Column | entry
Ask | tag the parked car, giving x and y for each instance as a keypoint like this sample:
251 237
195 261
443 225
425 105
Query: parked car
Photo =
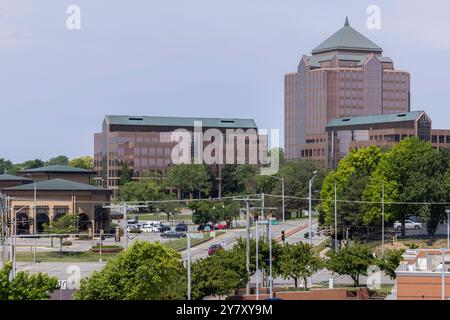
181 227
222 225
409 225
163 228
206 227
150 228
214 248
173 234
415 218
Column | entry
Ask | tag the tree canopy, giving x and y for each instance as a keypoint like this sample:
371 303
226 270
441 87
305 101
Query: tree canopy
145 271
25 286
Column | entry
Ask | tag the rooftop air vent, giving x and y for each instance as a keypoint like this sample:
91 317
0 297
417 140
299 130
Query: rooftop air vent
401 115
346 119
227 121
136 119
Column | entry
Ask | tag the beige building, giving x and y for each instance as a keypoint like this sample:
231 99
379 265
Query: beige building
345 76
420 275
55 191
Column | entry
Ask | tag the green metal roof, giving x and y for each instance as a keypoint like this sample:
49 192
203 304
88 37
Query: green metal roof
57 168
381 118
8 177
315 60
180 121
347 38
57 185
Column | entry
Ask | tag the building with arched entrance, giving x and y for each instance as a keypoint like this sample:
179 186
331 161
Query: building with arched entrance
51 193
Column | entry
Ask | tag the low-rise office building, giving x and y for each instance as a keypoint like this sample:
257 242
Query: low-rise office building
54 192
345 134
420 275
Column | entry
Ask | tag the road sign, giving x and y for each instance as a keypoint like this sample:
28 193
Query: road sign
62 284
196 235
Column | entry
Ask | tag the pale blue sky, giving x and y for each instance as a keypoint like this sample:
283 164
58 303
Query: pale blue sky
210 58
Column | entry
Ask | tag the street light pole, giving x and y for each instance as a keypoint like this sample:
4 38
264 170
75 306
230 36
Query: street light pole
448 228
310 207
284 219
335 218
443 273
189 266
257 261
382 219
270 259
247 247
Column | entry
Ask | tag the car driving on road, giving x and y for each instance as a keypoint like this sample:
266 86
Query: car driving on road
214 248
173 234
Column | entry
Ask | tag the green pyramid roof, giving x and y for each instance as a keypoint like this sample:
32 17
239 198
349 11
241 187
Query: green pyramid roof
347 38
57 185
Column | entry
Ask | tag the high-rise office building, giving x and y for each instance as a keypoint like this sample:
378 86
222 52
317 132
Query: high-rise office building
346 75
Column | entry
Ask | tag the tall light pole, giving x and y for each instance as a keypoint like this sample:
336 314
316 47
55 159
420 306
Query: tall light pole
443 272
270 260
247 247
448 228
310 206
34 203
189 265
335 217
282 204
382 219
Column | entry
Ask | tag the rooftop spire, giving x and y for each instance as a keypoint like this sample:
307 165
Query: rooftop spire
346 24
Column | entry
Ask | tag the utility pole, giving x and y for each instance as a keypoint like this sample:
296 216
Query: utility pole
125 231
284 218
443 275
189 266
247 248
448 228
310 207
335 218
270 260
382 219
257 261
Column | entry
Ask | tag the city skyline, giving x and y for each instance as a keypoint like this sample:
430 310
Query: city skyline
193 63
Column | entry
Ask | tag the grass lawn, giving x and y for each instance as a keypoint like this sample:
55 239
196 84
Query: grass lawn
385 289
68 256
181 244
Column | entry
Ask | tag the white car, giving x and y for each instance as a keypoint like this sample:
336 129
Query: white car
409 225
149 228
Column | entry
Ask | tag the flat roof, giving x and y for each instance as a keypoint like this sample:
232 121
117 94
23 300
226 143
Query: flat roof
125 120
375 119
57 185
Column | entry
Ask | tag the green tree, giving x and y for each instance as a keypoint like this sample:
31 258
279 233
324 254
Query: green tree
145 271
390 262
299 260
126 174
25 286
351 177
147 188
64 225
203 212
86 162
218 274
412 172
352 260
5 165
32 164
193 179
59 160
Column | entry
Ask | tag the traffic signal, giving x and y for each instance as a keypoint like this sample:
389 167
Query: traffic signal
282 236
8 222
31 221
